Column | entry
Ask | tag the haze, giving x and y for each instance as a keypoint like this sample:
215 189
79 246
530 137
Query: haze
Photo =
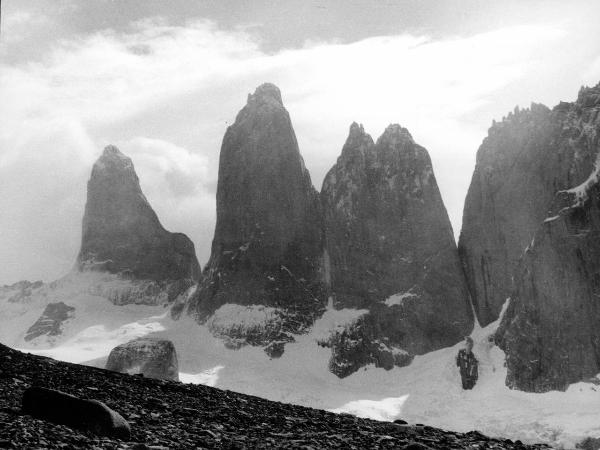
162 81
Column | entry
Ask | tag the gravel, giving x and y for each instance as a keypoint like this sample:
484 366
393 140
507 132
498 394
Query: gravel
167 414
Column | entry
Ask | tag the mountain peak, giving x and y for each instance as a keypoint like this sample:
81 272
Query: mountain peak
267 245
395 132
381 203
113 159
589 96
121 231
266 93
357 144
110 150
357 129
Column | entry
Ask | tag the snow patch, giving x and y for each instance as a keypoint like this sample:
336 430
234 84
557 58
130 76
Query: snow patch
386 410
398 299
97 341
208 377
239 319
581 191
550 219
334 321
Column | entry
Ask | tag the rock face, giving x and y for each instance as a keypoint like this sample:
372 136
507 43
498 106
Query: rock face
267 246
51 320
121 232
61 408
391 250
518 169
551 330
154 358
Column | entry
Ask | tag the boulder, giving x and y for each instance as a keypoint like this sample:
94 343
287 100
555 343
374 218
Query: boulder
88 415
153 358
267 247
391 250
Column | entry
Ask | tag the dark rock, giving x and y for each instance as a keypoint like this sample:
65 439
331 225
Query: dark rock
515 176
90 415
415 446
51 320
391 250
153 358
267 246
589 443
551 329
121 232
525 159
275 349
401 422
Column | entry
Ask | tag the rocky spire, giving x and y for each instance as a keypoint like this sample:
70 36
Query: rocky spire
121 232
267 246
391 251
514 180
551 329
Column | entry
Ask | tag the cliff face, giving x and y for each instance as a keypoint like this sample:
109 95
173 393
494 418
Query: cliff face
267 247
391 250
516 175
121 232
551 330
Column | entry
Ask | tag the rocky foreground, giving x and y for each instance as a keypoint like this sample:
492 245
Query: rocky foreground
166 414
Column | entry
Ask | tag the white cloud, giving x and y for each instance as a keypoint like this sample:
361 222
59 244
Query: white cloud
179 184
165 93
18 24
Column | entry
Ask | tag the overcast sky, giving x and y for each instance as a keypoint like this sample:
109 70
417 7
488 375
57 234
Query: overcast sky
163 79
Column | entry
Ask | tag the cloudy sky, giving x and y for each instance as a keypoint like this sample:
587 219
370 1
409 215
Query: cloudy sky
163 79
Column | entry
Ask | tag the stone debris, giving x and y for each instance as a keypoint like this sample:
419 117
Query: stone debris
165 414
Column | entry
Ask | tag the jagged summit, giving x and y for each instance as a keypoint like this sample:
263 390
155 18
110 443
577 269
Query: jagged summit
266 93
113 150
392 253
356 129
358 144
394 133
357 132
114 161
589 96
121 231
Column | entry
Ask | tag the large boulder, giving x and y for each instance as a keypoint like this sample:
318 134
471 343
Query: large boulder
551 329
121 232
267 246
65 409
153 358
391 250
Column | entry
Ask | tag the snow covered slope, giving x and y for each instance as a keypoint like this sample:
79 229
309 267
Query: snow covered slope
428 391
